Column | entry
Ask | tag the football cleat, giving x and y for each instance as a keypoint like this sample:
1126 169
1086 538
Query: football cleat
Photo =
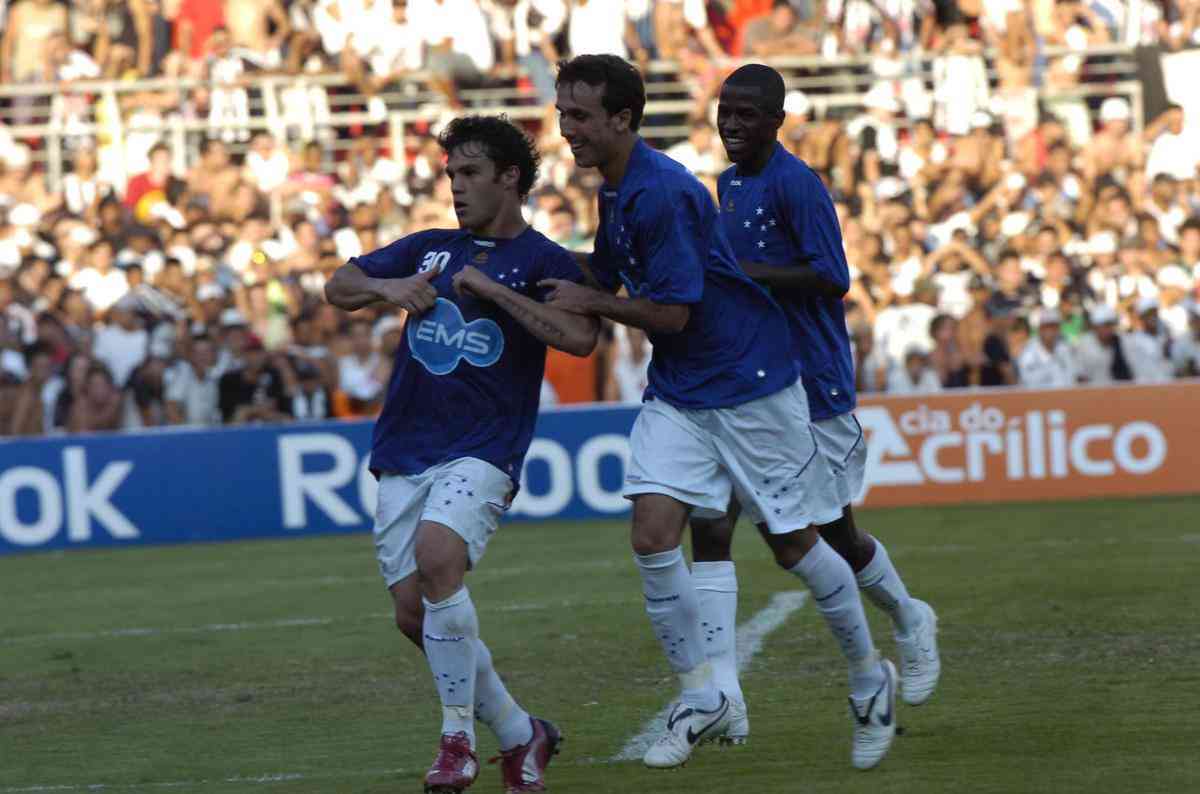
522 767
874 721
920 664
738 731
455 767
686 727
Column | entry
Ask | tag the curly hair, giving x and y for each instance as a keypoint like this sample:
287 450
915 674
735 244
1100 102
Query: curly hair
505 143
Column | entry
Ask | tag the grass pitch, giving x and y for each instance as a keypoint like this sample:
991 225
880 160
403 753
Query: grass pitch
1070 638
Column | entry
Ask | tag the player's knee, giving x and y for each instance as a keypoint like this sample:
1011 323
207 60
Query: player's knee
712 539
854 546
790 548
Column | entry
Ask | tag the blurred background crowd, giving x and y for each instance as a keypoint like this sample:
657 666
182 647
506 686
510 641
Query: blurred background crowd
163 247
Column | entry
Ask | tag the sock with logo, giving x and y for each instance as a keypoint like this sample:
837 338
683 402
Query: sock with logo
674 612
717 588
451 637
495 707
880 582
834 591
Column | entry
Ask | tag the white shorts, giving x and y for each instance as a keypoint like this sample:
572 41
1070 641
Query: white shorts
468 495
763 451
844 447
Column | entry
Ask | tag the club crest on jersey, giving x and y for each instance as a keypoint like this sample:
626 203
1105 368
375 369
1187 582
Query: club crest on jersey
480 257
442 338
729 205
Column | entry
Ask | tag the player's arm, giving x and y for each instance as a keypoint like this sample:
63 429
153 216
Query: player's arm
799 277
656 318
811 223
673 243
572 333
350 288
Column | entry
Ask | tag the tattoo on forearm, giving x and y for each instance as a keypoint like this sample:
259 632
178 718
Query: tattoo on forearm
548 332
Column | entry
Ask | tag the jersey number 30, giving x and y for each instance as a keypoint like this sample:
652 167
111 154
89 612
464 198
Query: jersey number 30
435 259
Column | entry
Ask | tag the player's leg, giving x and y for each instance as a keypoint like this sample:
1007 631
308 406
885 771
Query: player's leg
673 468
841 442
786 488
495 707
715 579
450 632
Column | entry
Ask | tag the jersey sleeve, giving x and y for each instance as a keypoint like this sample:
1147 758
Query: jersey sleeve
672 239
397 260
813 227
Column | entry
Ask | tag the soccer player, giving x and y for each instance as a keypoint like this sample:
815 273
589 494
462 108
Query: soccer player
784 231
457 423
724 412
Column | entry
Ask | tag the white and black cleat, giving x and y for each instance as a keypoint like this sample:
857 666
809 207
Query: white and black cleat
687 726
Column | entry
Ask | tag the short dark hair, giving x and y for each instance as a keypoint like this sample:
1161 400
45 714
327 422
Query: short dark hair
158 147
767 81
505 143
1192 224
623 84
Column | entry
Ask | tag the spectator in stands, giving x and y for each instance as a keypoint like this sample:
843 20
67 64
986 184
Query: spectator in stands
1103 352
1171 151
459 48
30 26
122 343
258 29
915 375
780 32
255 391
362 373
947 359
1186 356
1047 361
699 152
146 190
192 393
101 284
599 27
98 405
1150 345
629 364
525 31
229 102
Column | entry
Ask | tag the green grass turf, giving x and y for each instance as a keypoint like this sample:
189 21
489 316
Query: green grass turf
1069 639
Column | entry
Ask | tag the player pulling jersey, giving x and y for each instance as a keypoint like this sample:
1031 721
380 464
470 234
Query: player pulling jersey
456 424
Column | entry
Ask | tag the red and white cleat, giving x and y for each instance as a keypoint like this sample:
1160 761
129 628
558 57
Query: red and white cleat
522 767
455 767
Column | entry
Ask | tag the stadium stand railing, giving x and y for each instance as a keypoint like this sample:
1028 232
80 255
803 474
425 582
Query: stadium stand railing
58 113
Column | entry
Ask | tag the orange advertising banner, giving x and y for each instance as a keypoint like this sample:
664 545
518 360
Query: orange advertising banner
1007 445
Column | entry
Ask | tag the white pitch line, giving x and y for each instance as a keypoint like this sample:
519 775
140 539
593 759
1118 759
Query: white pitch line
750 638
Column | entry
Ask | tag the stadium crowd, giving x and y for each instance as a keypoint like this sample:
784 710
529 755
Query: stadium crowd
995 237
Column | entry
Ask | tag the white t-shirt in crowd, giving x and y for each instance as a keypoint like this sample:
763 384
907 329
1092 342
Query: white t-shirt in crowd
198 396
460 21
1173 154
100 290
597 27
120 350
900 381
357 378
899 328
1039 368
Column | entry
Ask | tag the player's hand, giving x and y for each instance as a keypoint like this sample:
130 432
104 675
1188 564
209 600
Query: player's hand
415 294
568 296
472 281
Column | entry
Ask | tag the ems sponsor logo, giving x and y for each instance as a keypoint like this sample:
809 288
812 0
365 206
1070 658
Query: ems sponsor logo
928 445
442 338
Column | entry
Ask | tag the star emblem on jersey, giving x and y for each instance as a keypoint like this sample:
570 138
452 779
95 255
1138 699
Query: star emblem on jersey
442 338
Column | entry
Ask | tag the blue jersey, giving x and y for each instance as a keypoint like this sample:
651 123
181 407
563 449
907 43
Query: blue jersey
784 216
660 236
468 376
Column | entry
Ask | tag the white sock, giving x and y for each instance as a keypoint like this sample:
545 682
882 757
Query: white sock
833 589
451 635
674 612
717 587
882 584
495 707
